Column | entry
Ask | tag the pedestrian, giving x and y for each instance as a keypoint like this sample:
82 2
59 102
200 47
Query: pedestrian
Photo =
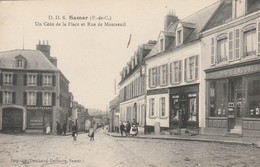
74 131
91 133
47 128
122 129
64 128
134 128
128 127
58 128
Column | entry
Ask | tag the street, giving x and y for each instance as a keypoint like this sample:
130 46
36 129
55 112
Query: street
52 150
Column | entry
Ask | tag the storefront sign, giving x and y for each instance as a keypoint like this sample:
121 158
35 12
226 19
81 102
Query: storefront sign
233 72
39 108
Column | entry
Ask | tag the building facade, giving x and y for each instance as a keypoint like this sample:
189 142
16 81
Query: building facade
33 91
232 50
174 89
132 91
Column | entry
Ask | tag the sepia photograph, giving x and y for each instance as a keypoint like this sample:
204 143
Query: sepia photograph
128 83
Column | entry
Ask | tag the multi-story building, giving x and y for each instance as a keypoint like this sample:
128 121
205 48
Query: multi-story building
113 115
174 91
231 51
132 87
33 90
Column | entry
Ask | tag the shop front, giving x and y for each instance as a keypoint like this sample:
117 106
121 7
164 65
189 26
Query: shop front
233 98
184 102
38 117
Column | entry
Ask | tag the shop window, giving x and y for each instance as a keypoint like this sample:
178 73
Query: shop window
192 107
151 107
175 110
253 97
218 98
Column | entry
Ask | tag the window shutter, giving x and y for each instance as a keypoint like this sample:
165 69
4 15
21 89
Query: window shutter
167 74
24 98
237 44
180 70
13 97
170 75
149 78
185 69
158 75
212 52
39 98
53 80
230 46
25 80
39 79
196 66
258 38
14 79
1 97
53 99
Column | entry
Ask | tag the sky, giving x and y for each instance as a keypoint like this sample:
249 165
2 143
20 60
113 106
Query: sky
90 54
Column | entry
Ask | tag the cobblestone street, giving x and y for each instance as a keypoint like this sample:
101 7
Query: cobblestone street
43 150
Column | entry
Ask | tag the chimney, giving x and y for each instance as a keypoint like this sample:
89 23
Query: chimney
45 49
170 18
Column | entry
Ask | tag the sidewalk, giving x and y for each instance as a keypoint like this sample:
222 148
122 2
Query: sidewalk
250 141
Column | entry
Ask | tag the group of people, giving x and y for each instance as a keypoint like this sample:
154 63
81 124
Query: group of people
129 129
61 129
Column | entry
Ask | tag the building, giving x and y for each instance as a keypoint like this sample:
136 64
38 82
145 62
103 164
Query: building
231 48
175 94
33 90
113 115
132 91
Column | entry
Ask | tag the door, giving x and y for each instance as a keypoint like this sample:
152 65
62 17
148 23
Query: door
12 119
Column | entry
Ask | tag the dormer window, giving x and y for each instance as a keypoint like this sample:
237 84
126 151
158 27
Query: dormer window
239 8
161 45
179 37
20 61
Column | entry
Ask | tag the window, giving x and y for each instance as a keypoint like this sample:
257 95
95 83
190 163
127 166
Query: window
218 98
7 97
222 50
253 97
179 37
250 43
176 71
31 98
32 79
191 68
20 63
161 45
153 77
47 80
7 79
47 98
164 76
151 107
162 107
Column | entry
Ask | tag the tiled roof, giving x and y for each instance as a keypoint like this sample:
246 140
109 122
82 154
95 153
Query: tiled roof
196 21
35 60
224 13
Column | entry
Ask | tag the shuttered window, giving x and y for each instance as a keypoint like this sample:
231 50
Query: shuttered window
237 44
258 38
230 46
212 51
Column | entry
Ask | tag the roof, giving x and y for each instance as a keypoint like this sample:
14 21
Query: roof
35 60
224 13
193 22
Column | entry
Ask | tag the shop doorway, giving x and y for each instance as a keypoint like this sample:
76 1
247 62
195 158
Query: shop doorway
12 119
236 100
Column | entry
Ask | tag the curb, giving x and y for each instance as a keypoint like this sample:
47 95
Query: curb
188 139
